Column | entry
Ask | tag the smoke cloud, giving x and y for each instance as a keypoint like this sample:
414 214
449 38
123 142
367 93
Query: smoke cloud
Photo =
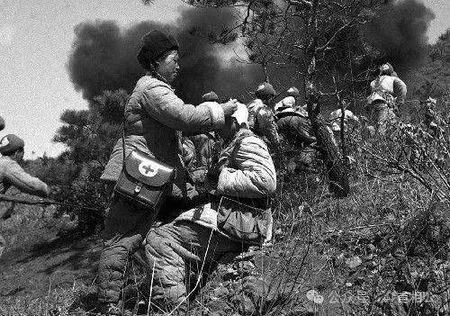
399 33
103 57
99 58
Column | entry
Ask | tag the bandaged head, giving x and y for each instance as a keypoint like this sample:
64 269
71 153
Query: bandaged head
241 114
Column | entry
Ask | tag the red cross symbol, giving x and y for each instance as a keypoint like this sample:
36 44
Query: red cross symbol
147 169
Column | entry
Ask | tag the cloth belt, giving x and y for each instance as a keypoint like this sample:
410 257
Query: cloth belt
262 203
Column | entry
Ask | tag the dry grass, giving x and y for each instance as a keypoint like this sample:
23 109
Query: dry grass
373 253
316 242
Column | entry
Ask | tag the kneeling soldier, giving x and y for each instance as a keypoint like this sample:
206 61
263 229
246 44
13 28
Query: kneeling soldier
239 215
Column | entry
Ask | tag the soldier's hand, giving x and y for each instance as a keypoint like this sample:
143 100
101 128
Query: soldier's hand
229 107
216 169
54 191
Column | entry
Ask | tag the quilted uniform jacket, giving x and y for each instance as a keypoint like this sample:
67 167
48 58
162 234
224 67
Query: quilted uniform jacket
12 174
252 176
154 120
262 121
388 84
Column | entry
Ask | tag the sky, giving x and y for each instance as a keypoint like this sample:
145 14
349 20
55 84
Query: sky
35 41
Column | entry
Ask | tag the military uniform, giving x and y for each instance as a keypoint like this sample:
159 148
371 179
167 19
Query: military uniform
388 91
263 121
154 116
194 240
334 119
12 174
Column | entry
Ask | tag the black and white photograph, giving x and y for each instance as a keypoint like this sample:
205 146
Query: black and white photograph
225 157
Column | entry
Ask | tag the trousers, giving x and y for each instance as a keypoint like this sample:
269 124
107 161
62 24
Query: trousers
126 226
182 254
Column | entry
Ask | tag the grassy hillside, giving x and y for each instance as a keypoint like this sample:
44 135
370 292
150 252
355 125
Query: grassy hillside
384 250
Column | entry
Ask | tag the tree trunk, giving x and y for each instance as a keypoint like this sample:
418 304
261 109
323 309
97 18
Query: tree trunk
335 166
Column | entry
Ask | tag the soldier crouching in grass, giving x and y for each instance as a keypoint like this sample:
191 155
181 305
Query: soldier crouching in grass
12 174
193 243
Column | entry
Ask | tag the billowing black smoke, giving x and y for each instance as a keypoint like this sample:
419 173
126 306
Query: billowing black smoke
103 57
399 33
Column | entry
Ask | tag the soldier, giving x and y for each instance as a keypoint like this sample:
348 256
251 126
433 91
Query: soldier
204 143
292 120
197 149
155 118
433 121
188 151
244 176
262 117
334 119
388 92
12 174
289 102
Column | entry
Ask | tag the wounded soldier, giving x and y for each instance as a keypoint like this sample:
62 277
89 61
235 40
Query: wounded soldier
238 215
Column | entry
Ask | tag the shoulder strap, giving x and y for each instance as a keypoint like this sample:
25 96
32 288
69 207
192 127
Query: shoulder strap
238 142
123 132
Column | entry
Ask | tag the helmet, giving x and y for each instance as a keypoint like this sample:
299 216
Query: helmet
293 91
265 91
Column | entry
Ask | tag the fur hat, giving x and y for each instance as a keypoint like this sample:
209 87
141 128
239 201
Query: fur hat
154 45
11 143
210 97
265 91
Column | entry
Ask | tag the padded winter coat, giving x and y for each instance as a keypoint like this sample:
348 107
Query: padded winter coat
287 102
155 118
12 174
334 119
251 175
388 84
262 121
